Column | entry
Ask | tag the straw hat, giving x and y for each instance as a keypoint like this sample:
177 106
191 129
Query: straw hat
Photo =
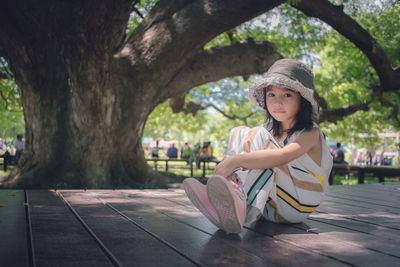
286 73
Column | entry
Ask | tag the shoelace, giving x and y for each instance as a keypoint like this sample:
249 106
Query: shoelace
239 190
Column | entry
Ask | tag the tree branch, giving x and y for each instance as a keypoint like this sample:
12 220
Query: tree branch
175 31
231 117
245 58
180 104
135 9
349 28
335 115
395 107
321 101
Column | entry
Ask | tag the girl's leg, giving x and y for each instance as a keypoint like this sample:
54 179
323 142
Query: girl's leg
197 194
229 202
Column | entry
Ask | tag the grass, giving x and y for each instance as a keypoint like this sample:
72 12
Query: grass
3 173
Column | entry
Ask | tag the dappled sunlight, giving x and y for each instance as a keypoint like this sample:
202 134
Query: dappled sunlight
344 244
184 213
379 214
125 52
328 216
361 241
383 218
328 245
134 202
208 8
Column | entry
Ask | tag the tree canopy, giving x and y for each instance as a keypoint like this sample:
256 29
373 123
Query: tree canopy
343 74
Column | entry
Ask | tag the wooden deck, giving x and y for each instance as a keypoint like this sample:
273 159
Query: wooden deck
357 225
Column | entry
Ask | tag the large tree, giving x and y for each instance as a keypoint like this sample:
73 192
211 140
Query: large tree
87 90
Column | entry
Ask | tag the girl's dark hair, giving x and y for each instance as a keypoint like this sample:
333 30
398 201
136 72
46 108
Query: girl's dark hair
303 118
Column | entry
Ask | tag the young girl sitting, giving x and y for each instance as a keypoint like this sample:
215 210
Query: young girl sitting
277 171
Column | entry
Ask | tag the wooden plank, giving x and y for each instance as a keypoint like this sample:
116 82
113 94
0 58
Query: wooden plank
381 209
266 247
14 250
385 192
125 240
351 252
336 217
389 187
59 239
367 192
363 203
194 244
161 227
364 197
346 201
381 218
361 251
357 226
358 239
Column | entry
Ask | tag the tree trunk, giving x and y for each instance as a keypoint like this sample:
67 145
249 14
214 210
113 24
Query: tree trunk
72 122
80 131
75 135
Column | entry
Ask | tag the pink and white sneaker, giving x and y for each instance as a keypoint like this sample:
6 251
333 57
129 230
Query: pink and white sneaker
229 203
197 194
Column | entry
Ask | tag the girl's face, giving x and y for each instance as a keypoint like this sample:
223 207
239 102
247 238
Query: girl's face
283 105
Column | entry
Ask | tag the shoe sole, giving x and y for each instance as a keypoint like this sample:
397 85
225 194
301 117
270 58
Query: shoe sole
197 202
221 199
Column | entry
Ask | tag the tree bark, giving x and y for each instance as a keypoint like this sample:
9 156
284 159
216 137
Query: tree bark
245 58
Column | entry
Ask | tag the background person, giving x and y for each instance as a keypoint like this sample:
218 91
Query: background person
338 154
172 152
154 151
187 153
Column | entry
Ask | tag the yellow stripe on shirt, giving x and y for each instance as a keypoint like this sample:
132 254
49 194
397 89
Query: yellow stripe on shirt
293 202
320 178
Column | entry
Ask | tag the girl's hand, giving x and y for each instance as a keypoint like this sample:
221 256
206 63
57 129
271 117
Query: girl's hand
226 167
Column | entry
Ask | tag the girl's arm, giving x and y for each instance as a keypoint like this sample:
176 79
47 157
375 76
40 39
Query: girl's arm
269 158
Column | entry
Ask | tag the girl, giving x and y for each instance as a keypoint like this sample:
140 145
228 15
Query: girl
277 171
